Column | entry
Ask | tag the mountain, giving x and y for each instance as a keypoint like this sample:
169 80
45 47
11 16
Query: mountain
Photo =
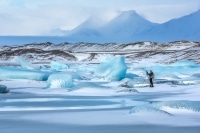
131 27
96 52
124 27
184 28
86 31
120 29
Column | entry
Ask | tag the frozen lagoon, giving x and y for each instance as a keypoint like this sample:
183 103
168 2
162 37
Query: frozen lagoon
99 105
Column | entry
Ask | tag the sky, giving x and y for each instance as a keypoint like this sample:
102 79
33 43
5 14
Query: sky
50 17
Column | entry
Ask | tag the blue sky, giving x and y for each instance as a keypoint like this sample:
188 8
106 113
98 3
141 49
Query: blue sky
42 17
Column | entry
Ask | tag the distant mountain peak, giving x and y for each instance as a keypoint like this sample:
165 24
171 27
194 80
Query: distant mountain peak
127 16
129 26
130 13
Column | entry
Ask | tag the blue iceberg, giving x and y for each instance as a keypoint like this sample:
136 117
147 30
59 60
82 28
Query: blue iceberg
58 66
60 81
113 69
19 73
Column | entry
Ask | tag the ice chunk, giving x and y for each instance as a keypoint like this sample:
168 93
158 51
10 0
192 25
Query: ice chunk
182 104
27 65
147 109
113 69
184 63
3 89
58 66
175 70
74 75
18 73
196 75
136 82
60 81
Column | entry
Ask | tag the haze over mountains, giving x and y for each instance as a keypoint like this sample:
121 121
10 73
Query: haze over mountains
127 27
130 27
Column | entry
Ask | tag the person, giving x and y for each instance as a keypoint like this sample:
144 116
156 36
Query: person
151 76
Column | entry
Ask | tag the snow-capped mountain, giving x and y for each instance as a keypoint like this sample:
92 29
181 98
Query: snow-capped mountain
184 28
86 31
121 29
130 27
127 27
124 27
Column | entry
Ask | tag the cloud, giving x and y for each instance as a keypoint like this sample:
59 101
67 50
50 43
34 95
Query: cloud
163 13
41 19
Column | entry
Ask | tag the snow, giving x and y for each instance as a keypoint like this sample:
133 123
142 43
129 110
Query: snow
77 101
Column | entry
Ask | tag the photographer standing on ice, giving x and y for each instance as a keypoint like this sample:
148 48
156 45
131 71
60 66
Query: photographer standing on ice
151 76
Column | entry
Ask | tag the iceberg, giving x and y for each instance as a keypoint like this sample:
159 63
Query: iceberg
3 89
27 65
182 104
60 81
147 109
74 75
175 70
159 107
19 73
58 66
113 69
184 63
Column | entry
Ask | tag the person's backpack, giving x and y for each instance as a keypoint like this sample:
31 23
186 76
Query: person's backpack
151 75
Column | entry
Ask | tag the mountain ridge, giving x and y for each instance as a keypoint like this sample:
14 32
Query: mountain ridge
129 26
92 52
